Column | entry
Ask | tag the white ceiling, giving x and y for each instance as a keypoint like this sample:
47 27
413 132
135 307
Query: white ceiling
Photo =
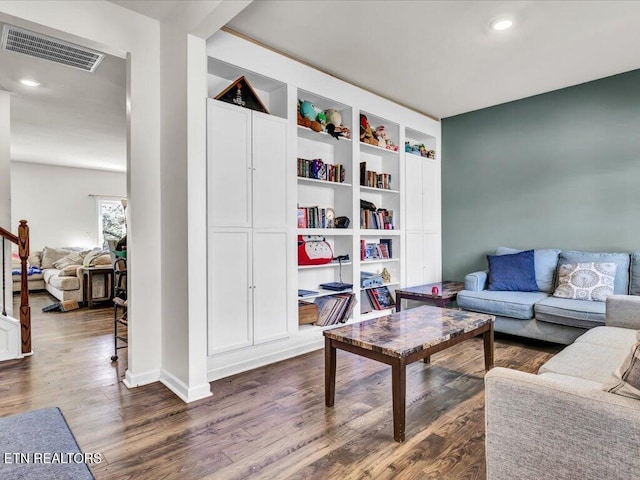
438 57
74 118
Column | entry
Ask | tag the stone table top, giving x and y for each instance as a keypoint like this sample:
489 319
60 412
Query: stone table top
404 333
446 289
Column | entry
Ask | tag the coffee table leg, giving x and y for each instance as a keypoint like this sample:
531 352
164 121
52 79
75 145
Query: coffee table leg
398 302
427 359
399 392
488 348
329 372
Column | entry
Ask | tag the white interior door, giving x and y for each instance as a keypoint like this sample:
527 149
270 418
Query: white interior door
270 281
228 165
229 290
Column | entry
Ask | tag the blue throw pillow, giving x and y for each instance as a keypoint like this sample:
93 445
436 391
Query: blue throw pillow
515 272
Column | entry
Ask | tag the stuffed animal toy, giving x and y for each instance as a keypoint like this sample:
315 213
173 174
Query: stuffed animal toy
367 135
333 116
309 110
383 137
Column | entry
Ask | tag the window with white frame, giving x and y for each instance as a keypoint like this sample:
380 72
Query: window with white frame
111 221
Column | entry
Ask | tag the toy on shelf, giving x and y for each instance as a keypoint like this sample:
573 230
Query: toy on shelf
367 134
329 121
383 139
420 150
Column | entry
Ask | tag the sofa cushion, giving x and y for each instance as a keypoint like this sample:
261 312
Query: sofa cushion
35 259
614 337
629 375
52 255
622 260
634 283
74 258
586 281
507 304
574 313
61 283
512 272
545 260
573 381
596 363
69 271
32 277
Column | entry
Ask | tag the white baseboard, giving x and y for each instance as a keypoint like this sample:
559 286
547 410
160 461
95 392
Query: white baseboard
182 390
135 380
256 360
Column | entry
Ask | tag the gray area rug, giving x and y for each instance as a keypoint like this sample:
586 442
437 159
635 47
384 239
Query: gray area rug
39 445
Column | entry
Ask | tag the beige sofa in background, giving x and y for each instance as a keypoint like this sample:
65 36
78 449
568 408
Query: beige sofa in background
65 283
563 423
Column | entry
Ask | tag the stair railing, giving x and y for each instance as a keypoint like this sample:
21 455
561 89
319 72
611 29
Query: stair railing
22 241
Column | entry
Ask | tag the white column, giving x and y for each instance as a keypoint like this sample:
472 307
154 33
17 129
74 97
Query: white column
5 191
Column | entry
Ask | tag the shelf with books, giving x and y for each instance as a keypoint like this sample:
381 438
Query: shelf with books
376 232
379 260
320 292
323 183
378 150
334 232
373 314
390 284
379 190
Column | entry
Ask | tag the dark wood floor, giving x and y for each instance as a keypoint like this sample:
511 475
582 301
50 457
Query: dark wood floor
269 423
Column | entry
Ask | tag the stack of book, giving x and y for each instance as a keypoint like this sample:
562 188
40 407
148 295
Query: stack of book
369 178
381 298
372 251
381 219
319 170
316 217
333 309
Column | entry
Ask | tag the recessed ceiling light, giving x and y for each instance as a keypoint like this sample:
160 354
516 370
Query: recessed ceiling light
29 83
501 24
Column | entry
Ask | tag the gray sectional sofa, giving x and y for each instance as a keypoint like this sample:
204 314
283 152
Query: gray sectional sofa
576 419
539 314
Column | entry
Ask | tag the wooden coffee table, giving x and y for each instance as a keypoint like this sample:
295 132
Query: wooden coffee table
447 292
402 338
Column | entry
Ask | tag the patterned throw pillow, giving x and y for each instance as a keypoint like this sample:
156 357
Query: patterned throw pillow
629 374
586 281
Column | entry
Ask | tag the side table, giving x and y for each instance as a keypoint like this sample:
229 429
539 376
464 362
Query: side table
447 292
87 284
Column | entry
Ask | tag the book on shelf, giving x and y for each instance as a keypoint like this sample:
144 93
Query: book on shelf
317 169
381 219
307 312
370 279
383 252
306 293
370 251
369 178
381 298
316 217
334 309
388 242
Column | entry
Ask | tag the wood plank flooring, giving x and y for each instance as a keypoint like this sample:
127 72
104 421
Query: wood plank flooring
269 423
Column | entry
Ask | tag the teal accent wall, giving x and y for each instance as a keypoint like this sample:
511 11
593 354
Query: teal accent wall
560 170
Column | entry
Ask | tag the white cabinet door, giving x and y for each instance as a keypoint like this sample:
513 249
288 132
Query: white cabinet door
270 285
415 259
431 198
432 257
229 289
228 165
413 192
269 171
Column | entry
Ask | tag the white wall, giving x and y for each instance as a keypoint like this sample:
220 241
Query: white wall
56 202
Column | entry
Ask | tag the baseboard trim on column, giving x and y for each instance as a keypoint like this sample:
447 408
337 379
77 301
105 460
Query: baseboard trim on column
132 380
186 393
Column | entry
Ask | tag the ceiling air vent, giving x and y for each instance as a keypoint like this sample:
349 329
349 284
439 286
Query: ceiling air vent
37 45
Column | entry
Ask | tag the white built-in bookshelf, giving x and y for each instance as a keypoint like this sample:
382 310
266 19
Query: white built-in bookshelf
403 187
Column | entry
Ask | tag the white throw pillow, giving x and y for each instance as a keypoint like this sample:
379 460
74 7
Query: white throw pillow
591 281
